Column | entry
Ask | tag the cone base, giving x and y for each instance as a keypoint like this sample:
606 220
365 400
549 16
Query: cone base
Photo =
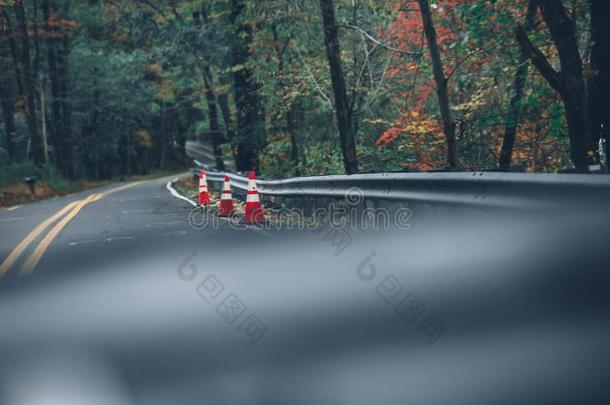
226 208
254 214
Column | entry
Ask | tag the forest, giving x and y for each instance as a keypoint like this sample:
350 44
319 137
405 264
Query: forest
94 89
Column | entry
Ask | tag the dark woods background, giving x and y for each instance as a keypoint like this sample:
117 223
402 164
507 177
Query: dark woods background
98 89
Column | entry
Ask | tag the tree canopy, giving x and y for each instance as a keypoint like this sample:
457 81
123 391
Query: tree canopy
290 87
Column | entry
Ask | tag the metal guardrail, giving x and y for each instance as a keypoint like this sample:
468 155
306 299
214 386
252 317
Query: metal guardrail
475 189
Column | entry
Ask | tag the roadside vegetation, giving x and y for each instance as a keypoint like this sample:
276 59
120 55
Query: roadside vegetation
50 183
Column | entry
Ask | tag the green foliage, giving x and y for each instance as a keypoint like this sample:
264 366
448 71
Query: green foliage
324 158
138 67
15 174
557 127
275 159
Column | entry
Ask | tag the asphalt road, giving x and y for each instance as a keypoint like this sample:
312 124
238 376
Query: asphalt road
96 225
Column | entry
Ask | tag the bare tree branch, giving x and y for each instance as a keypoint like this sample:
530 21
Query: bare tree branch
381 44
313 79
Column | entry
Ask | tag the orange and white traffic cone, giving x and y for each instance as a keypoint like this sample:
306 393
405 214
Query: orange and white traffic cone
254 210
226 200
204 196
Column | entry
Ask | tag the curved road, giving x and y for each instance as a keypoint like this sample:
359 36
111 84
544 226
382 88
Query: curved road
93 225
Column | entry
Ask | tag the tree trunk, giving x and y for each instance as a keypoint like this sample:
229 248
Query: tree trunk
290 114
213 117
14 52
333 54
569 82
291 127
514 107
251 136
127 156
7 101
211 98
8 115
95 131
43 120
223 103
563 31
180 132
599 85
90 138
163 135
441 84
66 107
55 122
30 86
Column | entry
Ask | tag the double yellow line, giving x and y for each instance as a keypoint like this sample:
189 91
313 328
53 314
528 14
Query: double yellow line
69 212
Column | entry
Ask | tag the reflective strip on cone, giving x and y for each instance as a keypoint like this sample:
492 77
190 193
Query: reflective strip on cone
204 196
226 200
254 210
252 197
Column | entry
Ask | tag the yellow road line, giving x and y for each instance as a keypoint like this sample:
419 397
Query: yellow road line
16 253
44 244
121 188
34 258
8 262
